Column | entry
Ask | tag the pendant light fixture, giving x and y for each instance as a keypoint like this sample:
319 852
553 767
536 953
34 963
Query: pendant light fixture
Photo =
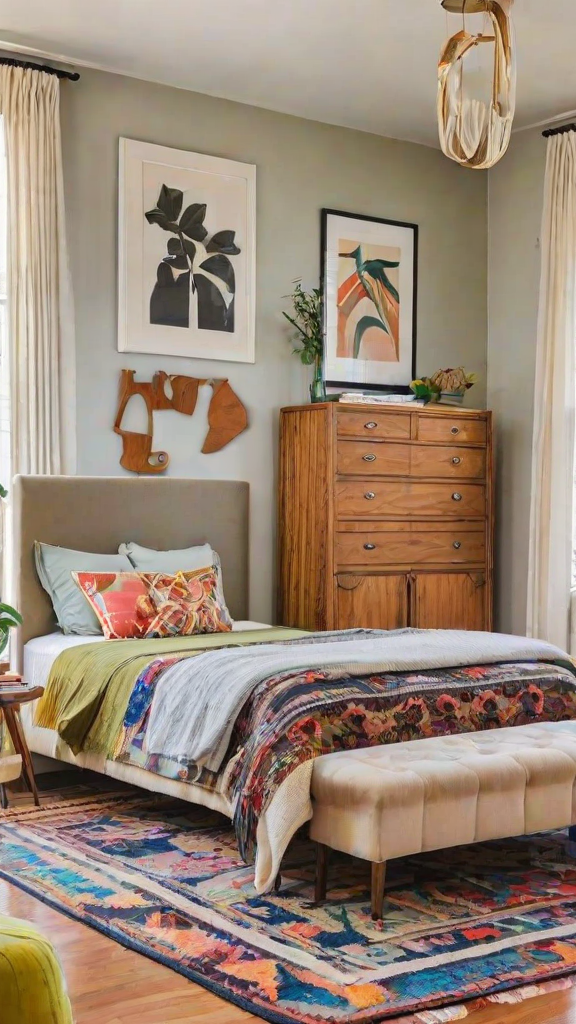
475 132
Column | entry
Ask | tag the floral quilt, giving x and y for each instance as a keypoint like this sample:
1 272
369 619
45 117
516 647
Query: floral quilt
289 720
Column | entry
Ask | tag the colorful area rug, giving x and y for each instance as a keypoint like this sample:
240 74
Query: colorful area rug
166 879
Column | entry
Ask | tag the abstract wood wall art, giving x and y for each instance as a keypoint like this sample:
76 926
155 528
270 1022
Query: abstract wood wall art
227 417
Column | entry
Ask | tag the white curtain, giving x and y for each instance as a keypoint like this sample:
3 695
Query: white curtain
551 515
40 315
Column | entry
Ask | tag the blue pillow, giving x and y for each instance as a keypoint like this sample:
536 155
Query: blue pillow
55 567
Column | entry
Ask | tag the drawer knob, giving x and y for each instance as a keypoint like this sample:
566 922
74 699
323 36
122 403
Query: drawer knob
456 496
457 544
369 547
371 426
369 495
456 460
369 458
455 430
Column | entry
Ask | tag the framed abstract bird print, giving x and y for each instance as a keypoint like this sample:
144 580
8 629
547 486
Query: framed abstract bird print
369 275
187 230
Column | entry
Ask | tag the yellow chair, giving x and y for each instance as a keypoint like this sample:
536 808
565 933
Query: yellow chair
32 986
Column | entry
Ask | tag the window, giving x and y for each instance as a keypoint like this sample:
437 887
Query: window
4 380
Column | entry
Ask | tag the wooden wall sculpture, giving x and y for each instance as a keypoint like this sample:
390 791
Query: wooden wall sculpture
227 416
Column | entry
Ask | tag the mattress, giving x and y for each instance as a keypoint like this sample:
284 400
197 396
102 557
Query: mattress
41 653
39 656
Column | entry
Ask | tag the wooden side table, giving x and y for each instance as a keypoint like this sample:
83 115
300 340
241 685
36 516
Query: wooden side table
11 697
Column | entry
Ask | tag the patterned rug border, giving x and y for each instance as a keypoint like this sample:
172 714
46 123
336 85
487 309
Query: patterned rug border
138 947
444 1012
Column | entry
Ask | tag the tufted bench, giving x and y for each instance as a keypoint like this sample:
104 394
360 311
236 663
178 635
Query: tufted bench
392 801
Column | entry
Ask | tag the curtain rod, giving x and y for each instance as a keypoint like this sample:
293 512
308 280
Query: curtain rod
559 131
47 68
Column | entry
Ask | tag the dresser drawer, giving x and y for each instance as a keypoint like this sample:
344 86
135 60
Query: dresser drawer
373 459
418 547
373 424
447 429
369 497
417 460
454 463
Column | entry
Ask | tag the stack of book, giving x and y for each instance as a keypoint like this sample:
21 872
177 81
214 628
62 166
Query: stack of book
11 681
376 398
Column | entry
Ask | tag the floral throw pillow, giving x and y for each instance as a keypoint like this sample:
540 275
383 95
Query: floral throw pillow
146 605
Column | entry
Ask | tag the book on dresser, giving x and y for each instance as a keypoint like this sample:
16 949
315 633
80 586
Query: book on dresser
385 517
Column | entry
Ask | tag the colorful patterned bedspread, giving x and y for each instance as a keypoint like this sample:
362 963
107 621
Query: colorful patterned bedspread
287 721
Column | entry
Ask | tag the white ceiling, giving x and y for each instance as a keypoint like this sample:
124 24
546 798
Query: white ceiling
368 64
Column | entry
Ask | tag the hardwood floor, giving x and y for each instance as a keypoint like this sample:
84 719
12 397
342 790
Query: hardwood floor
112 985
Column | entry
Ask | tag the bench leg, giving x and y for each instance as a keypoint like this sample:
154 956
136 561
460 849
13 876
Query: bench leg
321 873
378 882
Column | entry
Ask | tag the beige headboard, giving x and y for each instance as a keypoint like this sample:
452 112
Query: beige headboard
98 513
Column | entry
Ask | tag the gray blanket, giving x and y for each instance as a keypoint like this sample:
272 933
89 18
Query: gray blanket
197 701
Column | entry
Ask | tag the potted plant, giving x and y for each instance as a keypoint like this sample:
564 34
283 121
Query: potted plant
9 617
307 323
446 386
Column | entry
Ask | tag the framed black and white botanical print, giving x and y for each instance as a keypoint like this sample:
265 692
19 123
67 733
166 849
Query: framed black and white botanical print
369 282
186 254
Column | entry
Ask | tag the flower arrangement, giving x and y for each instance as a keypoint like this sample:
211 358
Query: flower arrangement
446 385
306 320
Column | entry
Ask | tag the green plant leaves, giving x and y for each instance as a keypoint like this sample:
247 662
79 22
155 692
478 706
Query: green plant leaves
425 389
170 202
192 222
363 325
223 241
8 612
307 321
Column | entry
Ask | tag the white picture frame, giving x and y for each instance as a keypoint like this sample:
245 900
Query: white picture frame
186 267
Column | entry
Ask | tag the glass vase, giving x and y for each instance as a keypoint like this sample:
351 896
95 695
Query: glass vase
318 387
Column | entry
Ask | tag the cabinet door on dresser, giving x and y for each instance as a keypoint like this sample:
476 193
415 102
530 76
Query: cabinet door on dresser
373 602
449 600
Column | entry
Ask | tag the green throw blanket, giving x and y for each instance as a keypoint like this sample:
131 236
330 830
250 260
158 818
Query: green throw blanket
89 686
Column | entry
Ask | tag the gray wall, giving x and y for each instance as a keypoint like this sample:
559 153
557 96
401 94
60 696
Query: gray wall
516 189
301 166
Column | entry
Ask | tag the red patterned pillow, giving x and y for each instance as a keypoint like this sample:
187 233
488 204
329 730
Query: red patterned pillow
146 605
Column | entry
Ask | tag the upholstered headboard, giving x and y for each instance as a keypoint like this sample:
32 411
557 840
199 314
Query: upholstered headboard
98 513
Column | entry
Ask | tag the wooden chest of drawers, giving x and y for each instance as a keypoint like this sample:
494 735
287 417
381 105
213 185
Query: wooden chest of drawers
385 517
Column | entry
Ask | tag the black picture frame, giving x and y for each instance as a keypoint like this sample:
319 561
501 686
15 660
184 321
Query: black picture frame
325 213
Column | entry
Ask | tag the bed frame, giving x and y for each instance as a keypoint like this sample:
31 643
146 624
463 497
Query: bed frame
97 514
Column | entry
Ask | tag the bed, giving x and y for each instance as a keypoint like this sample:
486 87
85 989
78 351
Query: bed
98 514
238 728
